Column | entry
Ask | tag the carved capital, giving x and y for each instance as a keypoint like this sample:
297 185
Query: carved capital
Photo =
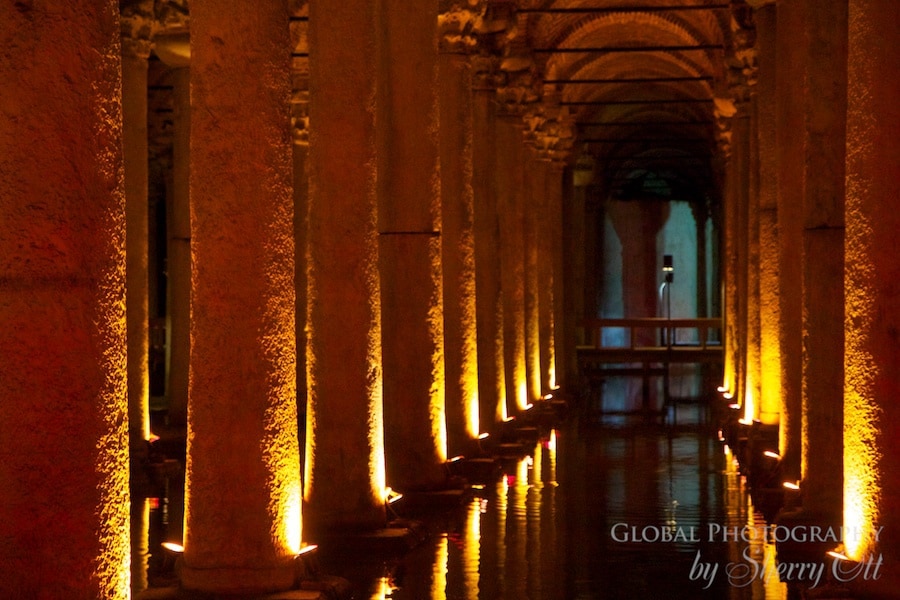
173 15
138 24
300 109
486 73
521 87
457 24
741 61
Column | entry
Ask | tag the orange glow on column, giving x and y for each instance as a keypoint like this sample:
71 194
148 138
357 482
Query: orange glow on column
862 489
377 468
438 409
749 407
522 394
114 506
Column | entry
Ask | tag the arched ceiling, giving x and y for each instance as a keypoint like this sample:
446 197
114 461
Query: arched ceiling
640 79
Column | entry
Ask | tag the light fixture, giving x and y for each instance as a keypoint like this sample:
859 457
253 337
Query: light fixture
790 485
838 556
173 547
771 454
307 549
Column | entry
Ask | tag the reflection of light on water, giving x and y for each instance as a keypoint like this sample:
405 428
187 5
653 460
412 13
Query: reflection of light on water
742 514
471 552
140 546
384 589
439 573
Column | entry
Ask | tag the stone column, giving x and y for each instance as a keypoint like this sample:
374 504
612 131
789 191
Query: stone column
559 347
174 50
135 51
64 498
751 265
300 154
871 272
458 231
409 223
595 214
344 430
242 514
178 264
770 311
789 121
728 264
488 296
740 229
823 261
574 249
510 173
700 212
534 219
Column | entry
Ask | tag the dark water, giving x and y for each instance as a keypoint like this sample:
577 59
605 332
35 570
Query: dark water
615 509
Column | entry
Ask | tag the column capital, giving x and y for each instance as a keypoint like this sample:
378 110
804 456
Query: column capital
172 15
458 21
550 130
486 73
741 56
138 27
520 88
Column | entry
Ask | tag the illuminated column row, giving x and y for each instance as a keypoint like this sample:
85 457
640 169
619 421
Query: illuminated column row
242 433
64 498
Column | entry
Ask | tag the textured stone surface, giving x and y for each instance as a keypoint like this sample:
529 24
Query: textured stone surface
872 272
344 478
409 218
242 517
63 415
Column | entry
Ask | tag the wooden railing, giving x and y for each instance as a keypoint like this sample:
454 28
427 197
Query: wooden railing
660 333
